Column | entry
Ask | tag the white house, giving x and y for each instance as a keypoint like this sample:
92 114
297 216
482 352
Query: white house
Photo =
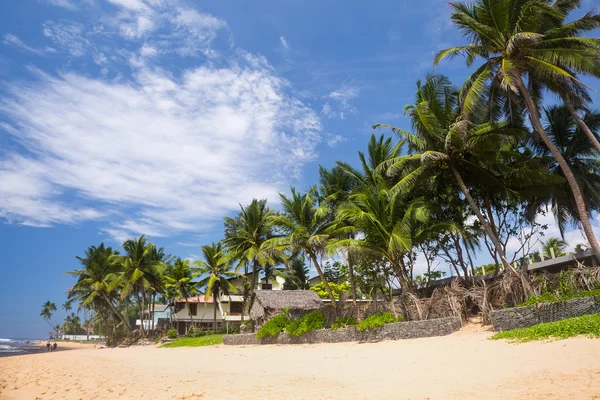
199 311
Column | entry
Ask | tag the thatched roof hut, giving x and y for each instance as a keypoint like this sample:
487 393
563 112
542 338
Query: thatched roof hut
268 303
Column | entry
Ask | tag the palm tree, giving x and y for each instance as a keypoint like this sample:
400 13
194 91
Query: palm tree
443 142
95 285
554 247
390 227
67 306
335 187
246 234
179 282
47 310
138 271
218 269
520 39
581 157
307 230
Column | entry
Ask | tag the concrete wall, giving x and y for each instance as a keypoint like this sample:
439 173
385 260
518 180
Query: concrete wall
523 317
393 331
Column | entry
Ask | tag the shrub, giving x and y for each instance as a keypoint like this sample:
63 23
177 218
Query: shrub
336 289
342 322
312 321
274 326
172 333
588 325
378 320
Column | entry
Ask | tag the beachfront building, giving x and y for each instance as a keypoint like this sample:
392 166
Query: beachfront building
161 316
199 311
267 304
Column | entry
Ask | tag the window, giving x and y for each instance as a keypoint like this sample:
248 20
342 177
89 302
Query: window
193 309
235 307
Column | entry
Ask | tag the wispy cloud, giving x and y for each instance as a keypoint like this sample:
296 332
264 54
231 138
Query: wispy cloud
61 3
179 152
284 43
342 97
12 40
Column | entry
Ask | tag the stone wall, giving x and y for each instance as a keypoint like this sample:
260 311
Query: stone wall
393 331
523 317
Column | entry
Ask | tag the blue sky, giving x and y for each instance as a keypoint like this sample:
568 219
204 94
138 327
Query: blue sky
128 117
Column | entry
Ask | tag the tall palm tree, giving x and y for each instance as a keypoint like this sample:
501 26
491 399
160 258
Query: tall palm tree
179 282
335 186
581 157
47 310
246 234
95 286
445 142
526 46
554 247
138 271
218 269
307 230
67 306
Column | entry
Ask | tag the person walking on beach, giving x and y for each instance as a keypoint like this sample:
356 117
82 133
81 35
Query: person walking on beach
54 346
47 346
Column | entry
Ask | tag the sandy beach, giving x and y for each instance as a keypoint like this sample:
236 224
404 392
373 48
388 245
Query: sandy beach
464 365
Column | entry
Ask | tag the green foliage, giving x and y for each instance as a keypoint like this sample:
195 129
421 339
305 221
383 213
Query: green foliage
343 322
296 275
208 340
378 320
312 321
195 332
588 325
172 333
336 289
548 297
274 326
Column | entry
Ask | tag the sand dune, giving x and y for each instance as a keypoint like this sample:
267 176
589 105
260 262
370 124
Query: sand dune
464 365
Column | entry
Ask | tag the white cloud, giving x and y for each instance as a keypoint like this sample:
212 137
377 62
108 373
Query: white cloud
334 140
157 154
342 96
61 3
284 43
12 40
68 36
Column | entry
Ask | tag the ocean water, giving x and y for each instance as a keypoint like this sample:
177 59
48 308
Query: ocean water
15 347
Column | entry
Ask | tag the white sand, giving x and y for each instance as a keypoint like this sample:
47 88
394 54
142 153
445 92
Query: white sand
464 365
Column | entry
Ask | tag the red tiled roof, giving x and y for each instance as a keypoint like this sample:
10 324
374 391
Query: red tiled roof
196 299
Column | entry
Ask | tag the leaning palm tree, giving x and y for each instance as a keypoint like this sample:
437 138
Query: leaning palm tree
445 142
307 230
581 157
94 286
47 310
526 46
217 268
137 271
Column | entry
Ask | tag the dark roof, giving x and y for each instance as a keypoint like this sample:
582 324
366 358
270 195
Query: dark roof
294 299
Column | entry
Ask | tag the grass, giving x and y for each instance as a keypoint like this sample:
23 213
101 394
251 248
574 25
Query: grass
551 298
209 340
588 325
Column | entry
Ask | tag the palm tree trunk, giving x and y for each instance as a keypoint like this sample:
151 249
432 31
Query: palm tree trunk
351 273
141 313
313 257
215 297
117 312
581 123
480 217
254 282
578 197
